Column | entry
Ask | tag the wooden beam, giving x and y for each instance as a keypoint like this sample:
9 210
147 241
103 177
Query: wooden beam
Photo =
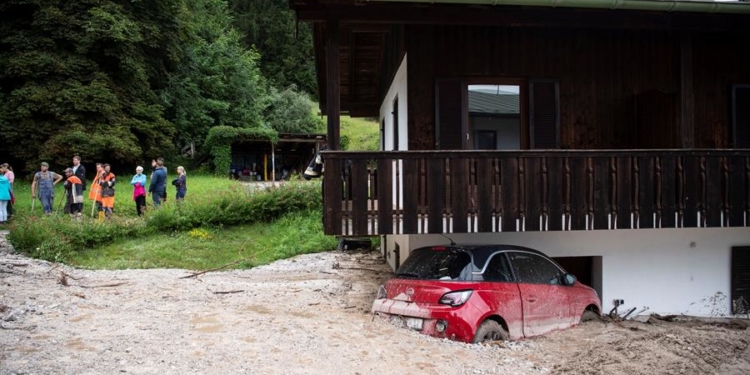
333 87
516 16
687 113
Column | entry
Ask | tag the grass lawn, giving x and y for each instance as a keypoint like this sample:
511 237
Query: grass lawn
204 247
199 249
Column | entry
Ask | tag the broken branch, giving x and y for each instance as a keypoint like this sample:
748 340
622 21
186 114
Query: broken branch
227 292
214 269
103 286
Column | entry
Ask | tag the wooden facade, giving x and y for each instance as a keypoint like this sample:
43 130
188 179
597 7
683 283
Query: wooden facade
638 104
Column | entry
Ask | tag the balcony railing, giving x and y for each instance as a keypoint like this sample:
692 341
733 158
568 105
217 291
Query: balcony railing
411 192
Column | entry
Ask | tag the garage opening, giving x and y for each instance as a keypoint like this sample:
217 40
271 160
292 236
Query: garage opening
588 270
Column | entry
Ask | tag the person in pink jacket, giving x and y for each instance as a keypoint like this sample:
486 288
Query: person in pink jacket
139 190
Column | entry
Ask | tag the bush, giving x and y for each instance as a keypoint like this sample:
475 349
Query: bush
55 237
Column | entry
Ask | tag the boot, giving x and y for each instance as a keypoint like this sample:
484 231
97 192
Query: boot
101 215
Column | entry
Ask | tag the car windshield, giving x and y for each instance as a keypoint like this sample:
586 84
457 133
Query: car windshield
442 264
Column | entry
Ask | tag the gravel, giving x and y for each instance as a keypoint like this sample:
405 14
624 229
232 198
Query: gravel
305 315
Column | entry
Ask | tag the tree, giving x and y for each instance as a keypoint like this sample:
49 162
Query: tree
218 82
81 77
286 46
290 111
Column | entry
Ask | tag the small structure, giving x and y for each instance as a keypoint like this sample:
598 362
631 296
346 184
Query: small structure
262 160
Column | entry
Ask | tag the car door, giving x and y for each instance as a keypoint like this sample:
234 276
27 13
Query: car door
501 294
545 300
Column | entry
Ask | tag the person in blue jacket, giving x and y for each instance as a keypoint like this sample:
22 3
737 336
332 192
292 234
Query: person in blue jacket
158 185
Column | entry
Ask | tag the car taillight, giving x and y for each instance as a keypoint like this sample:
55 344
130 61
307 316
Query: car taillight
456 298
381 293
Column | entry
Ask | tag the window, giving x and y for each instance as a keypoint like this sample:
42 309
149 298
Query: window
534 269
740 280
498 269
395 124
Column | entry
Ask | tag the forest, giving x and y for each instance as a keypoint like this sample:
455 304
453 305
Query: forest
129 80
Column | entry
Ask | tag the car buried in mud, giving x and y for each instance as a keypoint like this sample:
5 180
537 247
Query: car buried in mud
477 293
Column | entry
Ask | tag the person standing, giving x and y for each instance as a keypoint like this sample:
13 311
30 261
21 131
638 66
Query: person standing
180 183
139 190
4 195
11 178
95 194
79 171
107 183
158 185
74 193
43 187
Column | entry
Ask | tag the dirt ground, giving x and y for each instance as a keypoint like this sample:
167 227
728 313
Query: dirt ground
307 315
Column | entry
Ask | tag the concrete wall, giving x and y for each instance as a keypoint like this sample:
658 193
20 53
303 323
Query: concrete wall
672 271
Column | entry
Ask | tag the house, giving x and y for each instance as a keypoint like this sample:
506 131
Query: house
621 133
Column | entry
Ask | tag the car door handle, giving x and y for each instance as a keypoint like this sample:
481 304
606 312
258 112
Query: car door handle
531 299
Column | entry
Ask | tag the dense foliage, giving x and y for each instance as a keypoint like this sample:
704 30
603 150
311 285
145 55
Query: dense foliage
124 81
286 45
82 77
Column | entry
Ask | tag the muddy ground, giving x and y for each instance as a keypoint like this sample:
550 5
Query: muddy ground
307 315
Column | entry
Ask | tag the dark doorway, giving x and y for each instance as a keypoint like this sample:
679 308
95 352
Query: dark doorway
588 270
740 280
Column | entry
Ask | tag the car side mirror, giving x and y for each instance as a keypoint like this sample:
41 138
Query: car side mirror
570 279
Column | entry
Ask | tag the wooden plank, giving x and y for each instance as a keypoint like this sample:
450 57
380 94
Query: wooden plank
668 191
459 197
333 86
358 179
509 192
485 206
436 194
533 202
554 193
624 191
646 191
385 196
692 199
578 193
738 191
332 195
713 199
602 192
410 191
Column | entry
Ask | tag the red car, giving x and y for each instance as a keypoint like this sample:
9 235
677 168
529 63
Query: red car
476 293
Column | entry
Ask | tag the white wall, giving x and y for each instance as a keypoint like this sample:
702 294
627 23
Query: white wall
672 271
398 89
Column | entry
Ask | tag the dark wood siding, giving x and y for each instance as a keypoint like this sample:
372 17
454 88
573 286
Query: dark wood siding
614 84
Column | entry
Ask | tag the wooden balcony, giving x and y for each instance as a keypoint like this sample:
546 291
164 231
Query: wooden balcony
412 192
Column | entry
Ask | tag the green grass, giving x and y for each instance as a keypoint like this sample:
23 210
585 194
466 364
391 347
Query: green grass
200 249
220 221
198 185
362 134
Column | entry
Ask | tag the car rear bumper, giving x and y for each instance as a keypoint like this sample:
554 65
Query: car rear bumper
404 313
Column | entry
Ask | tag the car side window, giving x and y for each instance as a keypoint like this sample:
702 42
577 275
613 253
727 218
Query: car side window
534 269
498 269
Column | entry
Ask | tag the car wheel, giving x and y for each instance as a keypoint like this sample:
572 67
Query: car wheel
589 316
490 330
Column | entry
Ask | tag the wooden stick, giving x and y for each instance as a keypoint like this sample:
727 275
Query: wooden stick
103 286
213 269
228 292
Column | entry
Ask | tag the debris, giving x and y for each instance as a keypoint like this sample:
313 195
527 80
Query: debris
103 286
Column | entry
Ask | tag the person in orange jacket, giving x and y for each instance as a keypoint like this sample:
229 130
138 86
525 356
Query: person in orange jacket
95 193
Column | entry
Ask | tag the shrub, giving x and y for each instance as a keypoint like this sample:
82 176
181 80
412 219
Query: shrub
55 237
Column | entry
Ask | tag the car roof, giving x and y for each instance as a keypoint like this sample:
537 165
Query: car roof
480 252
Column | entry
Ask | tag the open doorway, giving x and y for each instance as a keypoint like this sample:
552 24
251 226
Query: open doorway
588 270
494 117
